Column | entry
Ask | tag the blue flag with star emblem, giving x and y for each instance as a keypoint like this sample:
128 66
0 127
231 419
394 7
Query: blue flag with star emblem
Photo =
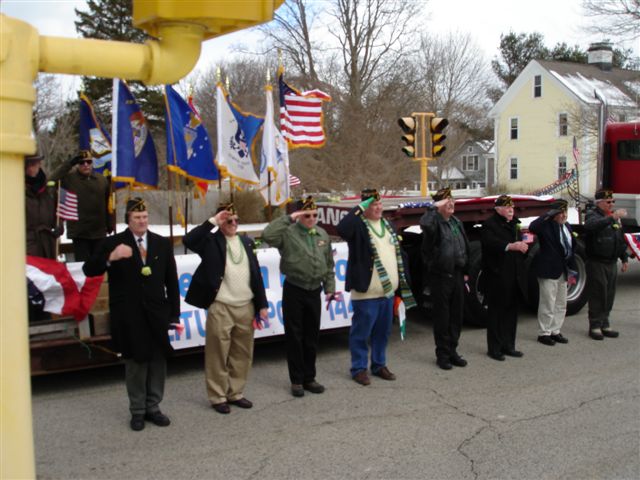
189 150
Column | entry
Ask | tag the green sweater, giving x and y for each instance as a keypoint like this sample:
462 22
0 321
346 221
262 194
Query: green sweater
306 259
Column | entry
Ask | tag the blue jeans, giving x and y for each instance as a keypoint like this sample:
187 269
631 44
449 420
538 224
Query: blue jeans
371 319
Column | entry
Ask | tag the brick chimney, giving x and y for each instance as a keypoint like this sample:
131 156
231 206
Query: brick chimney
601 55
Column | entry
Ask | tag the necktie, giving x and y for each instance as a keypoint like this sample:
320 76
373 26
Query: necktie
143 251
565 241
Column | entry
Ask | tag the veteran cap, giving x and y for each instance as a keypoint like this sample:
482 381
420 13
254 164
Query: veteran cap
370 193
604 194
227 206
442 194
307 204
504 201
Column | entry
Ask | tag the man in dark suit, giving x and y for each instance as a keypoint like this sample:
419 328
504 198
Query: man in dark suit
227 284
144 303
553 265
502 253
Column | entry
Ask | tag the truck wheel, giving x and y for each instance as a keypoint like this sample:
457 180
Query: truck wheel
475 307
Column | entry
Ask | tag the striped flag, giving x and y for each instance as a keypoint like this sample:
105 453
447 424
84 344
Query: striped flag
633 240
294 181
67 205
576 151
301 119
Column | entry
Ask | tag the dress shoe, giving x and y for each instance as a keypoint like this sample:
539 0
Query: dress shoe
313 387
158 418
496 356
242 403
559 338
607 332
297 390
547 340
458 360
137 422
384 374
444 363
596 334
362 378
221 407
513 353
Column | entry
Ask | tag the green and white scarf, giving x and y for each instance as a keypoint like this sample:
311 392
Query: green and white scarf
405 291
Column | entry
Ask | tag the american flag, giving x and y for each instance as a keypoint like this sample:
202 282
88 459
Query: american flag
576 151
301 115
293 180
67 205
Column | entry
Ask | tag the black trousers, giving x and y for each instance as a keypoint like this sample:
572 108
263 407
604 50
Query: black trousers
301 312
601 288
84 248
447 295
503 315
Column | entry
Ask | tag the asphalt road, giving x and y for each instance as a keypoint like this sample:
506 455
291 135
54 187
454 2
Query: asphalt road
567 411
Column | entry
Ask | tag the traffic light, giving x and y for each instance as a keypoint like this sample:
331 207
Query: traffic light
409 126
436 127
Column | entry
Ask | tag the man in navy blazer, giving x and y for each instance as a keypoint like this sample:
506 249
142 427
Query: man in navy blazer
555 267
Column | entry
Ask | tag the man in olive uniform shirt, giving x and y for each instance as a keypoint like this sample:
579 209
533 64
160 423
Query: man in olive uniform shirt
306 260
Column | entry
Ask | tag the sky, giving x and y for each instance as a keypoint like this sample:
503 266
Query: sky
485 20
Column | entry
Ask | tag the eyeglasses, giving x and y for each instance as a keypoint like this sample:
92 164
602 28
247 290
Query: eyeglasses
231 221
309 215
85 162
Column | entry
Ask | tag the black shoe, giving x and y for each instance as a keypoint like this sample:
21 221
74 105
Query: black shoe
607 332
297 390
496 356
444 363
242 403
313 387
458 360
222 407
513 353
137 422
559 338
158 418
596 334
547 340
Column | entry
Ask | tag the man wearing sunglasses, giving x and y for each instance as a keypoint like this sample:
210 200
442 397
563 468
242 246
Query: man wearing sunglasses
92 190
306 260
605 245
227 284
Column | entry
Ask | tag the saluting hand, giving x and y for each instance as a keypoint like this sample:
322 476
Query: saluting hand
120 252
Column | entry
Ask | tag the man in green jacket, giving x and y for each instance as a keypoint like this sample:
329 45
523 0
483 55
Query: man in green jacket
92 191
306 260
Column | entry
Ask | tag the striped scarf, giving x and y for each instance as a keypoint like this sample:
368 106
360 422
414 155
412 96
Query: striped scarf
405 291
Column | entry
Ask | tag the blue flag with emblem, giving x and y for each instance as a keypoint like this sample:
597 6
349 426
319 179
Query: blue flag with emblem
94 138
189 151
134 156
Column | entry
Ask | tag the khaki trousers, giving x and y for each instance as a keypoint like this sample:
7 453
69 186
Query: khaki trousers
552 306
228 351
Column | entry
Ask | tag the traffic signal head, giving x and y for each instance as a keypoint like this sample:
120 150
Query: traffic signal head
409 125
436 127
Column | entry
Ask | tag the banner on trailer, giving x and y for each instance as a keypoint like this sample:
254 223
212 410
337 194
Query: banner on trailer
194 319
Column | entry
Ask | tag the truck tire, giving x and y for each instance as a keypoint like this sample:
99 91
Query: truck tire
475 307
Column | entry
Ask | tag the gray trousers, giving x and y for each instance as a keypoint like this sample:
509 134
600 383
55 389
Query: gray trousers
601 288
145 384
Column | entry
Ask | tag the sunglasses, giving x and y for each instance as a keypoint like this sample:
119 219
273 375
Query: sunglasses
85 162
610 201
310 215
231 221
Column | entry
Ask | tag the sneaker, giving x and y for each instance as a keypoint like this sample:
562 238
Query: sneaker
559 338
547 340
444 363
607 332
157 418
313 387
242 403
137 422
297 390
362 378
596 334
458 360
384 374
222 408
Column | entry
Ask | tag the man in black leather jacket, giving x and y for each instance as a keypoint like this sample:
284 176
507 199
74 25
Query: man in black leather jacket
445 255
605 245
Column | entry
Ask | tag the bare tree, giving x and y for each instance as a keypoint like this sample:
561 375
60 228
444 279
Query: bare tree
614 18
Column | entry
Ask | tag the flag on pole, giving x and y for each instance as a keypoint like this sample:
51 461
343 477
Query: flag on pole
294 181
203 186
94 138
67 205
236 136
274 159
576 152
189 151
134 157
301 118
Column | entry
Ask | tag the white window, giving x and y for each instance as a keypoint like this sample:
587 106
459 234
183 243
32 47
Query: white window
563 125
470 162
514 129
537 86
514 169
562 166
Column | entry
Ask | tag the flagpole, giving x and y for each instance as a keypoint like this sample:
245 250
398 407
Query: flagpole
268 171
186 217
58 223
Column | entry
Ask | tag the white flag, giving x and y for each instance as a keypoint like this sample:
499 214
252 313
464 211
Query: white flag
274 160
234 151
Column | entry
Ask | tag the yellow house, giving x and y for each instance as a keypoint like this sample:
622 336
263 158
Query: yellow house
548 106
